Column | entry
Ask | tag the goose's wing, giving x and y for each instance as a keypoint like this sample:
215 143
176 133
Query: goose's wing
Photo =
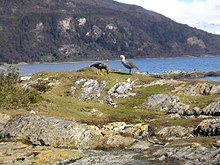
131 65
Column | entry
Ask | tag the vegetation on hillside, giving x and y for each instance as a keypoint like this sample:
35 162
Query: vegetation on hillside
59 101
71 30
13 96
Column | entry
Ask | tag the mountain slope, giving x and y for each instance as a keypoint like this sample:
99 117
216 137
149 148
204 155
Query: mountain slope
67 30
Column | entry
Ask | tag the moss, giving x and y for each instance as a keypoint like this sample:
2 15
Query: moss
205 141
51 155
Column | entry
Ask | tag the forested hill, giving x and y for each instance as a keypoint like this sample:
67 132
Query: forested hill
69 30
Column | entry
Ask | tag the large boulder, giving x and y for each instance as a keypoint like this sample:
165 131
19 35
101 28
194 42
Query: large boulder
208 127
212 109
171 104
48 131
177 131
90 89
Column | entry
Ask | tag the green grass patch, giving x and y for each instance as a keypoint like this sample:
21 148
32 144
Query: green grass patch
57 101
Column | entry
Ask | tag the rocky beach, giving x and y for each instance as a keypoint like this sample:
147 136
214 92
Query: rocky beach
89 118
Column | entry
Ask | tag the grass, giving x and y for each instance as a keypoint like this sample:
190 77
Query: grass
58 103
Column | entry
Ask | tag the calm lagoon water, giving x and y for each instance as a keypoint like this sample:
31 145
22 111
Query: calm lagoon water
209 63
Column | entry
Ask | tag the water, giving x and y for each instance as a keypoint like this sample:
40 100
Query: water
209 63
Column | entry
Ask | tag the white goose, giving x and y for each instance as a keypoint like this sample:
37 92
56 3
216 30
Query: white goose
127 64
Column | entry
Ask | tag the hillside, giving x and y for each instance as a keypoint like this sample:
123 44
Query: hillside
88 118
69 30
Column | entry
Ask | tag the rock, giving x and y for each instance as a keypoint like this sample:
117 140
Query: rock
118 141
196 111
212 109
90 89
25 78
215 89
169 82
29 84
19 153
54 83
121 89
186 154
3 68
78 82
161 99
179 75
47 82
41 130
208 127
117 157
217 144
137 131
177 131
110 101
212 74
141 145
175 116
3 120
171 104
48 131
198 89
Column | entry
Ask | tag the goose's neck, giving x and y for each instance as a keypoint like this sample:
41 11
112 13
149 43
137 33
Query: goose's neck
123 59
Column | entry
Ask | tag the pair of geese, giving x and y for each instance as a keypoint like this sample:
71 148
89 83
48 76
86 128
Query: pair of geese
127 64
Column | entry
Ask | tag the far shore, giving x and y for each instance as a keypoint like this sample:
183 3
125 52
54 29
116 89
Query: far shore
185 56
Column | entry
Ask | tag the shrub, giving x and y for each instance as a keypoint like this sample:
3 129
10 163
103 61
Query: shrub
11 95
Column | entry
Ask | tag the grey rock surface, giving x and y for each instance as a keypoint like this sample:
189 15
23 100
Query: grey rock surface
90 89
171 104
208 127
212 109
177 131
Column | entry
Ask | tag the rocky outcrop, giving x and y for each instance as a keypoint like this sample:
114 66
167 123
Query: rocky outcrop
3 120
45 133
22 154
189 154
90 89
122 89
177 131
41 84
173 105
180 75
170 104
198 89
212 74
48 131
186 74
208 127
138 131
169 82
212 109
179 154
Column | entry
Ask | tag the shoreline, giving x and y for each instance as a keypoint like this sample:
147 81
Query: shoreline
148 58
